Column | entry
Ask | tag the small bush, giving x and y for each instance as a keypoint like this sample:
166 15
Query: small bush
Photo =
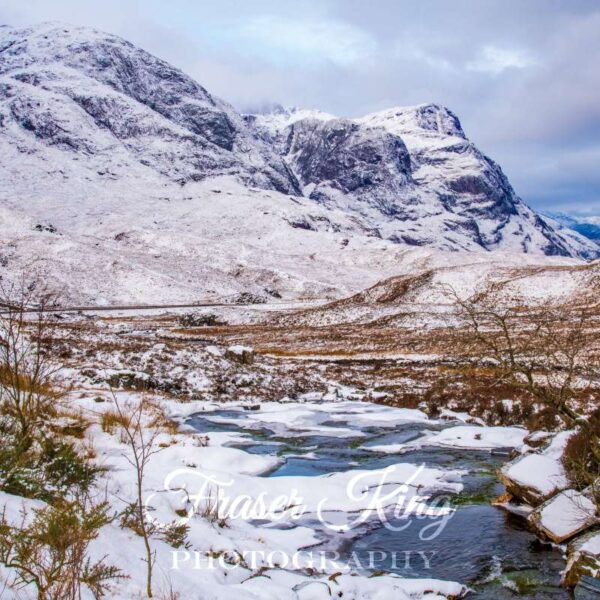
49 470
175 535
64 469
50 550
71 424
200 320
130 519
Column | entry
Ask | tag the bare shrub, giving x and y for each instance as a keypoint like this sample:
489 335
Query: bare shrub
141 439
211 510
27 372
551 352
581 462
35 459
548 351
168 592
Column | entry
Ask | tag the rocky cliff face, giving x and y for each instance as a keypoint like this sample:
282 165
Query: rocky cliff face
449 168
337 158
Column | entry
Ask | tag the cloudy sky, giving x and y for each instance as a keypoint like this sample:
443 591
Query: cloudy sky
522 76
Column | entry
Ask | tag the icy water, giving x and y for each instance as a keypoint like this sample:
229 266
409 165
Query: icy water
481 546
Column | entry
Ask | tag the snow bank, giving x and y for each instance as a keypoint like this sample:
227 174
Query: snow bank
468 437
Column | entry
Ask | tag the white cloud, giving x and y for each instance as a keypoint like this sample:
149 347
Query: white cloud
282 39
494 60
412 51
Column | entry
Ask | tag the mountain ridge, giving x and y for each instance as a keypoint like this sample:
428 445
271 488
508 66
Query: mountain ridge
126 180
587 226
446 177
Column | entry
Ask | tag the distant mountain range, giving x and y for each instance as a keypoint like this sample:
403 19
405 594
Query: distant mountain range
125 178
588 227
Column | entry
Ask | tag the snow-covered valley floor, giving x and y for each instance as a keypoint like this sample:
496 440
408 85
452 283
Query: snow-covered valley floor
298 462
314 504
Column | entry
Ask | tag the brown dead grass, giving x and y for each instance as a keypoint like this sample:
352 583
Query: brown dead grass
25 383
292 359
112 420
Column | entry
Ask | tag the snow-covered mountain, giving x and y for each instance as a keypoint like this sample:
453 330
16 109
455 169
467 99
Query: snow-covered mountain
115 106
413 175
127 181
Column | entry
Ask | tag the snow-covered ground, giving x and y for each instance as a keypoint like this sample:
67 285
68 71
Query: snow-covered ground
472 437
186 471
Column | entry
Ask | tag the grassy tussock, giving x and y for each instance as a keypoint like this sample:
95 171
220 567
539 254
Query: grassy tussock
9 379
111 421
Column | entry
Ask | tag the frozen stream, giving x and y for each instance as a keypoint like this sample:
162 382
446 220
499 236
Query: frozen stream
479 545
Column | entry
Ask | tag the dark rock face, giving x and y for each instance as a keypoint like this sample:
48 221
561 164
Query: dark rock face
42 122
157 85
343 153
414 175
111 114
433 117
340 156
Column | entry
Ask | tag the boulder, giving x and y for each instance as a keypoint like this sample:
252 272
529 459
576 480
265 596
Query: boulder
564 516
583 558
240 354
536 477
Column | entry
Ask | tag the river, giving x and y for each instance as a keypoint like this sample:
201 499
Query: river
480 545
